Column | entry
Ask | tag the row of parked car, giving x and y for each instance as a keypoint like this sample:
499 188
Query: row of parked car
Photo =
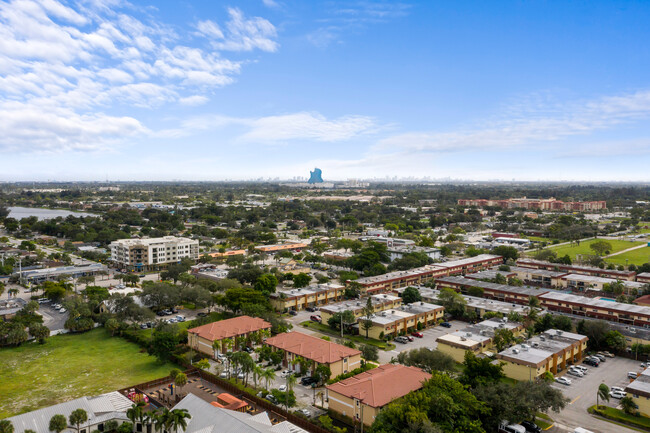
523 427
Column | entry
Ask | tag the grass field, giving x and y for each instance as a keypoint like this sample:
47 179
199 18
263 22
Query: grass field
71 366
636 257
583 248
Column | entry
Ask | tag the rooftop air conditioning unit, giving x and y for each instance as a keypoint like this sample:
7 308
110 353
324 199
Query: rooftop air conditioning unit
541 337
463 339
515 351
468 334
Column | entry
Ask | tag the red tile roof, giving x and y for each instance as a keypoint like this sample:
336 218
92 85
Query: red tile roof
380 386
313 348
645 299
230 328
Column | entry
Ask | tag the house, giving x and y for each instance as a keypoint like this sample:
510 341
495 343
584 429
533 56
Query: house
203 338
361 397
111 406
340 359
9 307
552 351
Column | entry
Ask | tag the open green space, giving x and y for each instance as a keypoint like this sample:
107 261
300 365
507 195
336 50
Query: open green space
636 257
583 248
70 366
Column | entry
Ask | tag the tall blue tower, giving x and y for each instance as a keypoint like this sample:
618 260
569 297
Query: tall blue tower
315 176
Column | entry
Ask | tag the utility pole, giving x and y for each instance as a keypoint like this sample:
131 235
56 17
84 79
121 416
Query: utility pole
341 325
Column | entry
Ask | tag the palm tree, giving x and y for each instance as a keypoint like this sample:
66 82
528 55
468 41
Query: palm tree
78 417
603 393
228 342
247 365
135 413
6 426
628 405
216 346
257 373
321 395
178 419
268 375
291 381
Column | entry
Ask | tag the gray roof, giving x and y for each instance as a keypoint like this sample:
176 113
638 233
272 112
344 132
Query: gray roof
468 282
101 408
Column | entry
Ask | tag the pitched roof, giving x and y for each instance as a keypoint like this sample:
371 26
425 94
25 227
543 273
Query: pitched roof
380 386
313 348
230 327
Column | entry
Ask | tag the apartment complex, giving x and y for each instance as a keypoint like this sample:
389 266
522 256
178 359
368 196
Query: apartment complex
153 253
477 338
340 359
418 276
500 292
405 319
537 203
379 303
551 351
576 269
639 390
225 333
628 314
361 397
312 296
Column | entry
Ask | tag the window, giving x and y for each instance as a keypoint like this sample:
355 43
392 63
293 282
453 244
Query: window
100 427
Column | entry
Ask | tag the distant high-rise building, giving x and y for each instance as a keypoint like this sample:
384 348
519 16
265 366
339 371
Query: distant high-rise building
316 176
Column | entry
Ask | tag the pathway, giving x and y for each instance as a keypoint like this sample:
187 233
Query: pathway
627 250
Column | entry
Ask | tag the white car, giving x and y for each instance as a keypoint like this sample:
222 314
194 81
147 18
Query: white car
617 394
581 368
285 373
282 388
563 381
223 375
576 373
616 388
62 310
240 375
305 412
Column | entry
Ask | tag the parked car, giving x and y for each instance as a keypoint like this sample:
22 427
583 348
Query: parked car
223 375
282 388
270 398
445 325
143 326
417 334
632 375
401 339
617 394
616 388
62 310
308 380
285 373
563 380
293 313
531 427
576 373
221 357
310 309
408 337
305 412
601 357
315 318
248 349
513 428
202 314
180 318
581 368
592 362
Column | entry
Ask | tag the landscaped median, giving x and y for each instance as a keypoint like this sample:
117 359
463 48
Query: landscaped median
358 339
543 421
617 416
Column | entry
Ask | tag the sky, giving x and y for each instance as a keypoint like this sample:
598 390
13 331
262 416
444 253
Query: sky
217 90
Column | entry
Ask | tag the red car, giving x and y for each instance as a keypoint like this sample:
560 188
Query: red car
409 338
316 319
417 334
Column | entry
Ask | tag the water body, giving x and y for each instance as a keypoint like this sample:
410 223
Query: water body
43 214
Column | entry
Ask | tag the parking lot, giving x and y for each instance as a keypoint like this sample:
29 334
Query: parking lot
582 394
52 318
428 340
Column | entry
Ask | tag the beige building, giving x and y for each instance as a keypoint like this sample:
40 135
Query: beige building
340 359
405 319
379 303
361 397
202 338
475 338
312 296
144 254
639 390
551 351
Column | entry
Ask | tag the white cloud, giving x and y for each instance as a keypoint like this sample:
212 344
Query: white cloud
530 125
270 3
73 59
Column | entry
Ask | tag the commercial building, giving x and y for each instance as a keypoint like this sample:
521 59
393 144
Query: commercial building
100 409
312 296
203 338
577 269
551 351
639 390
477 338
500 292
537 203
37 276
418 276
596 308
340 359
153 253
291 246
397 252
361 397
226 254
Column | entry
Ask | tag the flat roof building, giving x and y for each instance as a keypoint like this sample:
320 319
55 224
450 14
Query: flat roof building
476 338
143 254
316 295
577 269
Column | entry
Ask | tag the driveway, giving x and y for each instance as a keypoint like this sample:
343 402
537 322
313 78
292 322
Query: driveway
582 394
52 318
428 341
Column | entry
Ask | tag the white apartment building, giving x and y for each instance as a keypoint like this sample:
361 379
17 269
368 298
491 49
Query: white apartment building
145 254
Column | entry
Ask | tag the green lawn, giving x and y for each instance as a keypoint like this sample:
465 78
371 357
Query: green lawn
618 415
583 248
637 257
71 366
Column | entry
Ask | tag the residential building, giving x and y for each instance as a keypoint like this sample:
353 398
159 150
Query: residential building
577 269
361 397
551 351
203 338
226 254
538 277
153 253
390 242
230 402
379 303
536 203
500 292
639 390
405 319
340 359
643 300
9 307
477 338
596 308
313 296
643 277
585 283
111 406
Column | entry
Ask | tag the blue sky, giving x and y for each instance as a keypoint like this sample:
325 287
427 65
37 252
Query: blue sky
211 90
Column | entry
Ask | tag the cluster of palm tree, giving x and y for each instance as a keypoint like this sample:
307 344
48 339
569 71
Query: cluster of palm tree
163 420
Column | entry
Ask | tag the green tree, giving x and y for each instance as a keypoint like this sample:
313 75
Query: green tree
322 373
136 413
268 375
180 380
58 423
341 320
480 371
601 247
410 295
39 332
475 291
508 253
203 364
266 283
78 417
427 360
369 352
112 325
628 405
453 302
368 312
6 426
603 393
301 280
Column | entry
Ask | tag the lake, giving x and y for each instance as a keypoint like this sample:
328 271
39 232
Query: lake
43 214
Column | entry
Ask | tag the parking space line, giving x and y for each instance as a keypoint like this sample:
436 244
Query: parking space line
575 399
